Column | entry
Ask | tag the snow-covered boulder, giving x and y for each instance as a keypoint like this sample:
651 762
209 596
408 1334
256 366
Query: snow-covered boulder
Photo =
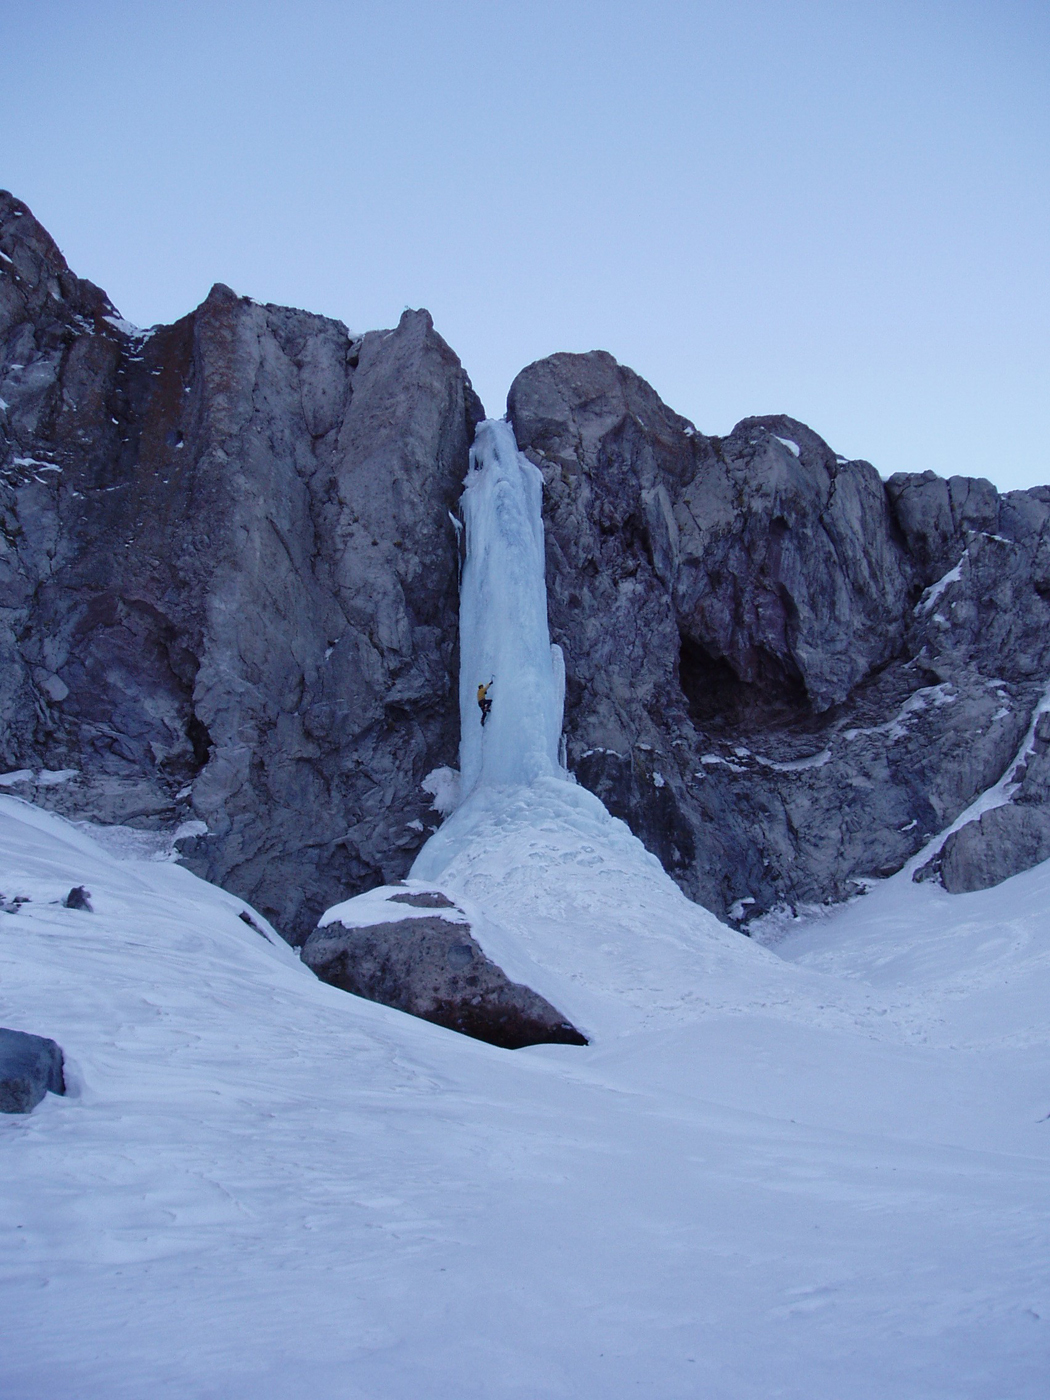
414 950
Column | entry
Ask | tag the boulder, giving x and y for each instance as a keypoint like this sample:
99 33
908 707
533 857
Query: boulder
431 966
30 1067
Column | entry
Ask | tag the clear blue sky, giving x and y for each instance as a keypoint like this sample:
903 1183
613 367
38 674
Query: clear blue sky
839 211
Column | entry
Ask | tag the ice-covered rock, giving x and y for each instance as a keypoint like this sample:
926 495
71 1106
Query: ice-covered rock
505 645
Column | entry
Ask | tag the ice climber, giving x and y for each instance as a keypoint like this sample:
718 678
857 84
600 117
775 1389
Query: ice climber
484 703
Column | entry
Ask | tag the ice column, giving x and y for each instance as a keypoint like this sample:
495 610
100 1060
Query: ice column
503 622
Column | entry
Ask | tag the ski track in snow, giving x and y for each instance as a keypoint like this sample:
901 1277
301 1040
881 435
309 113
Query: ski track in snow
817 1169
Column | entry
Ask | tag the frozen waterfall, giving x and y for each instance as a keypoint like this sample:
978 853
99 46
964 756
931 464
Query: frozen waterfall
505 645
559 893
503 622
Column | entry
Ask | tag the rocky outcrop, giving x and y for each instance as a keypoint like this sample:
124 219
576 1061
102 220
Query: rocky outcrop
783 673
430 965
30 1067
228 575
1000 843
1006 839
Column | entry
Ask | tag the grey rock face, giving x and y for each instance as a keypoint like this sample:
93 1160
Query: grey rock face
228 577
30 1067
434 968
769 676
1001 843
1007 839
425 899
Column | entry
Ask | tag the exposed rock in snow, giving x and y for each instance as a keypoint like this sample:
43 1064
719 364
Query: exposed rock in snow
30 1067
78 898
1000 843
430 965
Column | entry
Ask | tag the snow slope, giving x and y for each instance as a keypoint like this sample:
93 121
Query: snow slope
263 1187
565 898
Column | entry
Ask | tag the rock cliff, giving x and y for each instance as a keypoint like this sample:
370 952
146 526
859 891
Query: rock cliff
785 674
228 604
228 575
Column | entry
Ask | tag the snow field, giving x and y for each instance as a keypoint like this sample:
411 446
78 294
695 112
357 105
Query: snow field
264 1187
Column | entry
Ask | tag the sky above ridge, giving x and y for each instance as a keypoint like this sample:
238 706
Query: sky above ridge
839 212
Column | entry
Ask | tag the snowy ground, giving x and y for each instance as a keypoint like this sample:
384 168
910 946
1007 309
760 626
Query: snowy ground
813 1171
